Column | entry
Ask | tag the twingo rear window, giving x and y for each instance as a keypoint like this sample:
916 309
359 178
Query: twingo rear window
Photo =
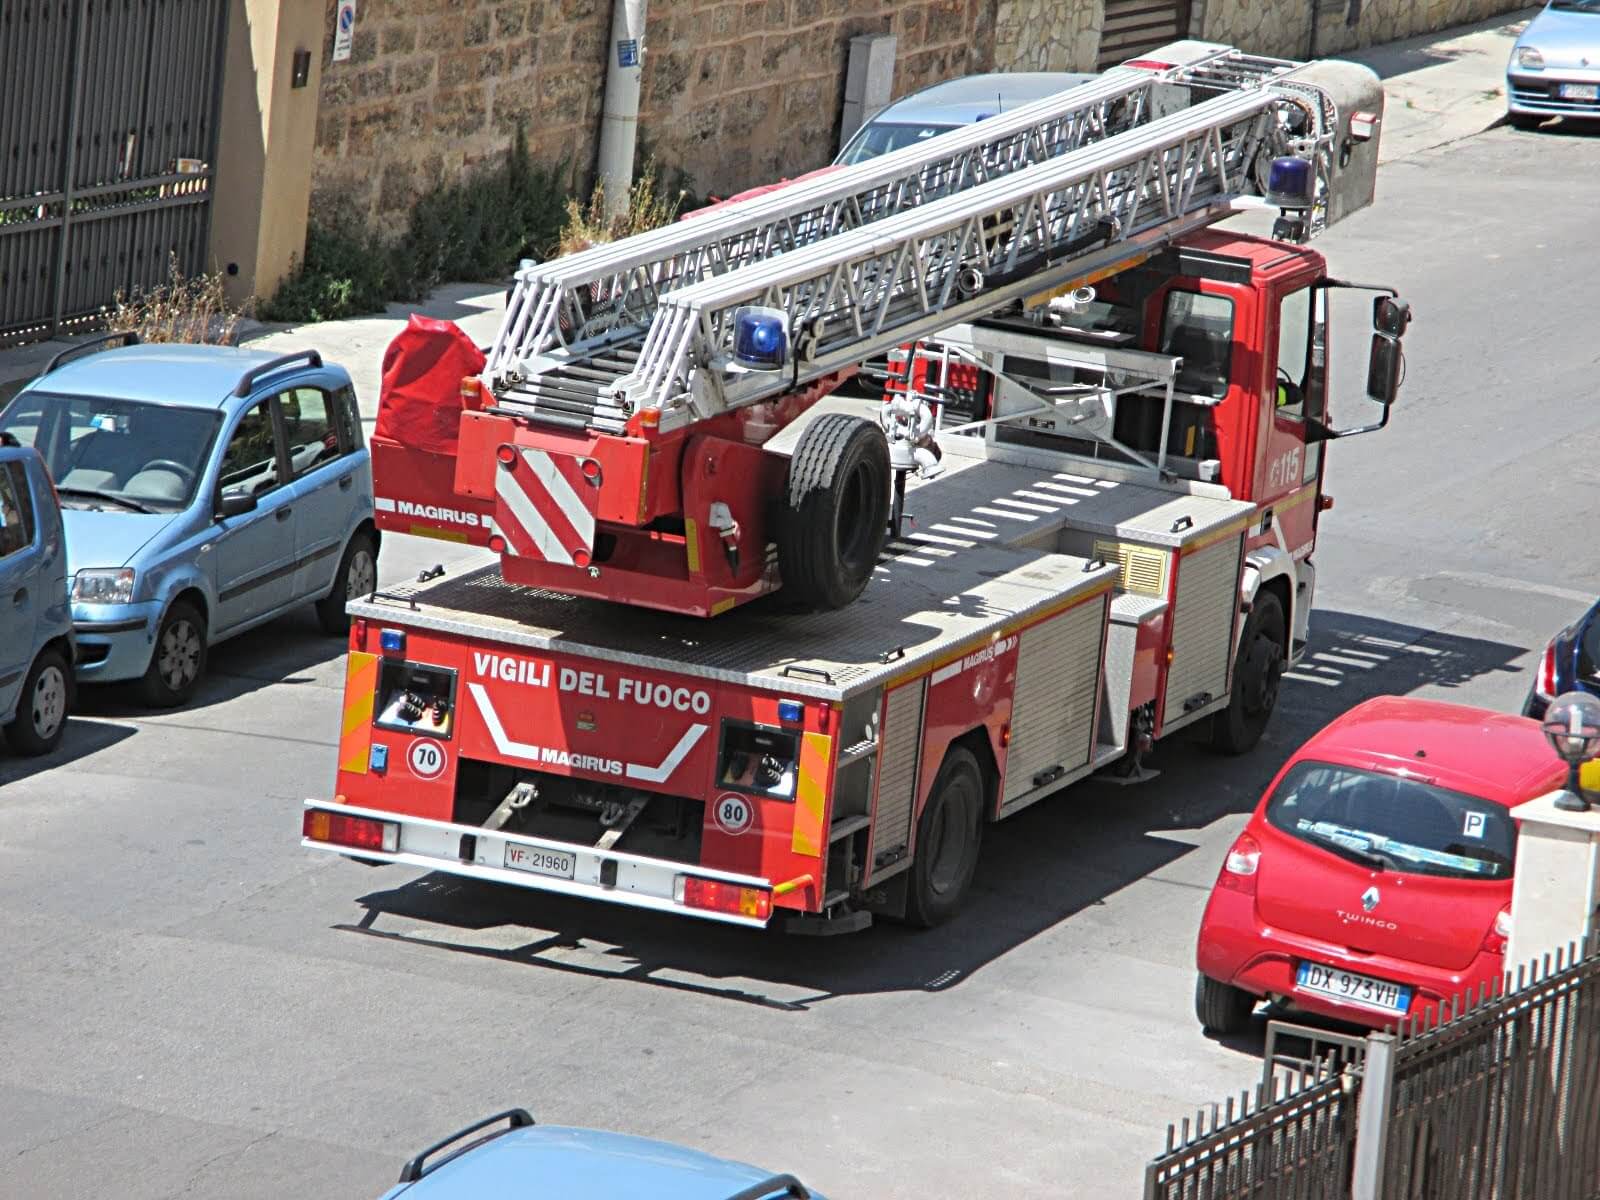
1398 824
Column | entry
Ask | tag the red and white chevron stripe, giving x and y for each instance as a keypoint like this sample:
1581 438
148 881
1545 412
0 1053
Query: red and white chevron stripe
545 507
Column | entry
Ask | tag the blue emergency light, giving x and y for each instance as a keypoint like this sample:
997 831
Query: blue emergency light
760 338
393 641
1289 183
790 710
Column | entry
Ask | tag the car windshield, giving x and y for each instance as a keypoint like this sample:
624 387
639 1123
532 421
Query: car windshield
878 138
127 454
1393 822
1588 6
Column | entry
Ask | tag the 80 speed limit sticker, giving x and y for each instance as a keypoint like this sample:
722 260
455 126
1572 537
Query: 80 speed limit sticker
427 758
733 814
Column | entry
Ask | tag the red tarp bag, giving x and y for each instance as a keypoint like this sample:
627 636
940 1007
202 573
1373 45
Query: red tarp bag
419 404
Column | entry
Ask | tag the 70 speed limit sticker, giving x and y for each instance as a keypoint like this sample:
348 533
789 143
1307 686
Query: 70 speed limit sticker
732 814
427 758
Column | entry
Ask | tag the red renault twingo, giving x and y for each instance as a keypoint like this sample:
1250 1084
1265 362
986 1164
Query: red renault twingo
1374 878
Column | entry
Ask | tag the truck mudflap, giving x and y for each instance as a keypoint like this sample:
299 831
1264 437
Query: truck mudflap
542 864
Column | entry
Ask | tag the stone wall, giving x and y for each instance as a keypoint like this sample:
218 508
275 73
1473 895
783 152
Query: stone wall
1284 30
1047 35
735 92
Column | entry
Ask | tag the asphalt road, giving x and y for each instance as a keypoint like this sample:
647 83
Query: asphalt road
192 1005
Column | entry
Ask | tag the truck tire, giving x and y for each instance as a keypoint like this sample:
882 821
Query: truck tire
42 705
178 659
1256 673
357 575
948 835
1222 1008
835 512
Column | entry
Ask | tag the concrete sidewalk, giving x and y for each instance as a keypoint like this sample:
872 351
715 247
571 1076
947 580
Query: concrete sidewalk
1440 88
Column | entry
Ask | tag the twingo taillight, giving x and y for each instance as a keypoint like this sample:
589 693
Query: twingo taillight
1494 942
359 833
1239 868
1545 683
716 896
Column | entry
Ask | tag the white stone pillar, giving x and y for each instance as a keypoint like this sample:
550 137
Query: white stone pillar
1557 883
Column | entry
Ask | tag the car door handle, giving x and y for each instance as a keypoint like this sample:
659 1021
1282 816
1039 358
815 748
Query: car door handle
348 482
283 514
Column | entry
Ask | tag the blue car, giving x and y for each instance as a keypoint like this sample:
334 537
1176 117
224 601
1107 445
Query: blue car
520 1160
1570 663
35 622
205 490
1555 65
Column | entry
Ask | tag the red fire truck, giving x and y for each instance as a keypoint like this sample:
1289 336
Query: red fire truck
1105 430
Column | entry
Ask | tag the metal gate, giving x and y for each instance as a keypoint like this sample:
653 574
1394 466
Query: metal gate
1133 27
108 133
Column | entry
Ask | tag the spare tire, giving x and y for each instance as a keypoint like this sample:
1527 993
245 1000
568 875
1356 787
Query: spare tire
835 511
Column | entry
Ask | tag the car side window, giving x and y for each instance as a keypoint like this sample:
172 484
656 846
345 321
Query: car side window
16 511
250 463
311 429
348 413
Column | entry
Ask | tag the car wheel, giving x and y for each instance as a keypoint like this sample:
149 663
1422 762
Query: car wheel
357 576
42 709
948 837
1256 675
1222 1008
178 659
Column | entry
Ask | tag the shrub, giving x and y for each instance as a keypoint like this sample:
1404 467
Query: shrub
649 207
193 309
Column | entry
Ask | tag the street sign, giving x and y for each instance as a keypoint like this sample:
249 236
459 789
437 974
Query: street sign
344 26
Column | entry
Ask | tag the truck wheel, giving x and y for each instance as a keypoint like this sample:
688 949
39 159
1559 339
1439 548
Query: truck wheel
1222 1008
357 575
948 835
835 513
1256 672
178 658
43 705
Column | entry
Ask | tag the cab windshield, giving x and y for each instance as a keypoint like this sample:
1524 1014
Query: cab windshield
106 453
1394 823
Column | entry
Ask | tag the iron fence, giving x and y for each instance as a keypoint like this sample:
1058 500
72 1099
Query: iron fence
1295 1147
1495 1097
1499 1099
108 132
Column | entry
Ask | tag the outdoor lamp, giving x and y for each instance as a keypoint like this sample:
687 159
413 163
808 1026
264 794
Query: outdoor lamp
1572 723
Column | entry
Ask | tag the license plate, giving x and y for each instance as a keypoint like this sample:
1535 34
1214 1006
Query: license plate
558 864
1580 91
1351 988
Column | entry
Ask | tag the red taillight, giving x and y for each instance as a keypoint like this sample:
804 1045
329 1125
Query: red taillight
497 543
507 455
1499 933
1545 685
716 896
1148 64
359 833
1239 868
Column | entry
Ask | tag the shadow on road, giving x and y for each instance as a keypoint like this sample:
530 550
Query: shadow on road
81 739
283 651
1038 869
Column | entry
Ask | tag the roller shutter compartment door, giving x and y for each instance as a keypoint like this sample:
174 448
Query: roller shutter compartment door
1135 27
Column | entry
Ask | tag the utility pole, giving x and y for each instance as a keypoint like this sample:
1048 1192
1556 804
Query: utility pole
619 126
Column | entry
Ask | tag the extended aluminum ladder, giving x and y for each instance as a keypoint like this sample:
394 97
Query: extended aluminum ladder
878 253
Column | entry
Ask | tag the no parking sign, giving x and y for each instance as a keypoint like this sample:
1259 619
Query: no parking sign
344 25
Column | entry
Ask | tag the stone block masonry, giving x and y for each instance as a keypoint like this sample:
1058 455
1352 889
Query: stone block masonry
735 92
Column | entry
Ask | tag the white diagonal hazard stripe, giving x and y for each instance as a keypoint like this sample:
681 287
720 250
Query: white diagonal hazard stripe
527 516
555 483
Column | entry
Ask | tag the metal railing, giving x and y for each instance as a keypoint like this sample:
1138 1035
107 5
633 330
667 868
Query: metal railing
1496 1096
1297 1146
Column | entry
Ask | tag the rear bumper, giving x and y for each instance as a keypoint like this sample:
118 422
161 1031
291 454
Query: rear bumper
1237 949
630 879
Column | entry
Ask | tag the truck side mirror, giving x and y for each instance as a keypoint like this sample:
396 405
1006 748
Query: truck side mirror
1390 315
1384 364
